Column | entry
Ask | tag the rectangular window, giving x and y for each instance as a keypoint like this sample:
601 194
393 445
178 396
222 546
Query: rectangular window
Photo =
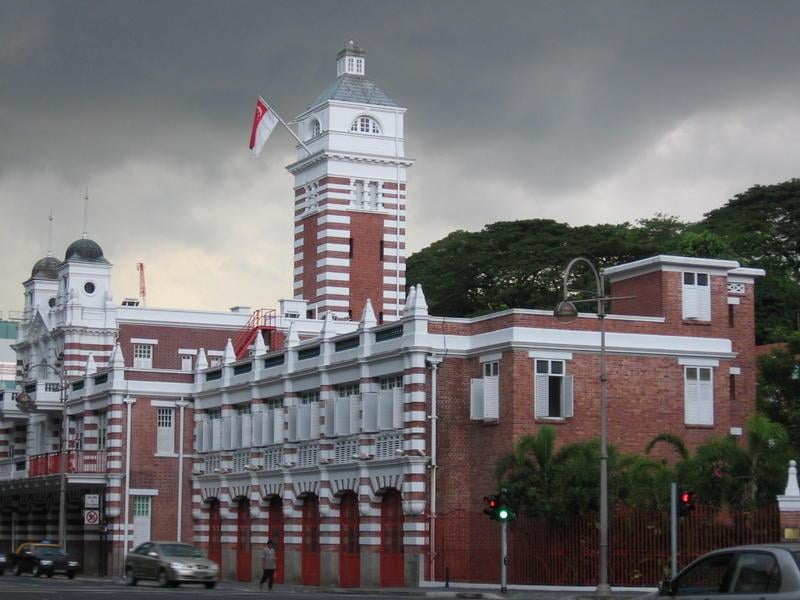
696 296
553 393
391 383
186 362
351 247
165 428
730 315
732 388
142 506
491 369
142 356
214 361
345 391
77 433
309 397
698 396
102 430
381 249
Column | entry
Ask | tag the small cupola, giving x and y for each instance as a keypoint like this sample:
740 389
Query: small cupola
351 60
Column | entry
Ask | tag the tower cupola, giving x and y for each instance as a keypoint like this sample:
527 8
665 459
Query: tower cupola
351 60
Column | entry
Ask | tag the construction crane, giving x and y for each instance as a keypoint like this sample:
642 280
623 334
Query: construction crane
142 286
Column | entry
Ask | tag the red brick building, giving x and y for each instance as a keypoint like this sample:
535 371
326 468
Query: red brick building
340 439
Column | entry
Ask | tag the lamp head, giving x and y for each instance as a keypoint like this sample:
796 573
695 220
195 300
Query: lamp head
566 312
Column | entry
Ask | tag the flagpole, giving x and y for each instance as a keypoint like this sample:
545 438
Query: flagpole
289 129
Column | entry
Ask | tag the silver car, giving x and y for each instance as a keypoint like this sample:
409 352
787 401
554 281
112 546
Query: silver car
751 572
170 563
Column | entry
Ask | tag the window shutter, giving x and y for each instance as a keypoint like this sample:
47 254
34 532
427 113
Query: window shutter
330 417
258 428
247 431
198 436
236 432
216 434
704 302
341 416
385 409
542 398
567 402
277 426
165 442
226 433
355 413
705 403
397 408
370 402
691 404
491 398
476 399
292 424
205 425
690 302
313 410
267 427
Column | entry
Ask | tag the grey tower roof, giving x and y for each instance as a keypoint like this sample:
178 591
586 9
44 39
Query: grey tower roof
354 88
45 268
86 250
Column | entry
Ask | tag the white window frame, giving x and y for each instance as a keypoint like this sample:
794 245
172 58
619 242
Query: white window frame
143 356
696 295
555 368
365 124
316 128
102 430
698 394
165 430
392 382
186 362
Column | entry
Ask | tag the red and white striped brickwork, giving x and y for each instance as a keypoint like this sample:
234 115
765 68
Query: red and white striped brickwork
348 249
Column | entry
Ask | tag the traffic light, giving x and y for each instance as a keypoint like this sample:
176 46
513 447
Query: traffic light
504 512
686 500
490 505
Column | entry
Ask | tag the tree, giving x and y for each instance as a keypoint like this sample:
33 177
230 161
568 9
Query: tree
779 386
520 264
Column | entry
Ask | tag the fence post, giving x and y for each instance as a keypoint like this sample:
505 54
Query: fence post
789 506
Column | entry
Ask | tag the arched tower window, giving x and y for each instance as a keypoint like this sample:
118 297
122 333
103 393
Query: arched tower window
365 124
316 128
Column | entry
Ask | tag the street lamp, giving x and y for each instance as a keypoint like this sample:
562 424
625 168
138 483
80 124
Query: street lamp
26 404
566 312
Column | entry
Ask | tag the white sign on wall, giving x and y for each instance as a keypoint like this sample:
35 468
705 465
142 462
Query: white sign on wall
91 517
91 501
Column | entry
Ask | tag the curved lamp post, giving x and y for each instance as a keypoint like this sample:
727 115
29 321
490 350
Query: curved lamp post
25 404
567 312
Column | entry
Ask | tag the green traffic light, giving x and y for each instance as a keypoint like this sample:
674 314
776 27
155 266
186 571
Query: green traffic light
502 514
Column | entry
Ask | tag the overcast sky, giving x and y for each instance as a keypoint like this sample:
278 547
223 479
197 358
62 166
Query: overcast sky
583 112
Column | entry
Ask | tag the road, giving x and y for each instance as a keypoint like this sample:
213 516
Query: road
26 587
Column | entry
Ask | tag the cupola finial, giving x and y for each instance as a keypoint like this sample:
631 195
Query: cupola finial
85 234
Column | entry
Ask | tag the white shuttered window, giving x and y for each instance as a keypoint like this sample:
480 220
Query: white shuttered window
553 396
698 396
165 427
696 296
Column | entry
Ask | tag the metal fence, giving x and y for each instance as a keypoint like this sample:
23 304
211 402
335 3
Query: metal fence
549 553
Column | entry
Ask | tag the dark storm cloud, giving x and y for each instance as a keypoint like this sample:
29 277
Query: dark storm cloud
513 107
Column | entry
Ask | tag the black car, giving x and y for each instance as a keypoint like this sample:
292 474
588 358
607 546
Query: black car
44 559
2 563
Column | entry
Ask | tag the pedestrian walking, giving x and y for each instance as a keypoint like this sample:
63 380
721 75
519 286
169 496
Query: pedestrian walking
267 565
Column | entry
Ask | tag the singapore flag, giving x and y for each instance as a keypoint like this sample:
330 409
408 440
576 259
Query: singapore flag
264 122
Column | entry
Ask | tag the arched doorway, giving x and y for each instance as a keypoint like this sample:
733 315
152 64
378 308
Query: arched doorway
392 563
349 551
309 570
215 532
244 570
276 534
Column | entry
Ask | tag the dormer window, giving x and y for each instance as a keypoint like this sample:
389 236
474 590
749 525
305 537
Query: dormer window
365 124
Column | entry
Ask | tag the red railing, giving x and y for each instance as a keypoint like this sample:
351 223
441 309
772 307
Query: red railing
77 461
263 318
548 553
